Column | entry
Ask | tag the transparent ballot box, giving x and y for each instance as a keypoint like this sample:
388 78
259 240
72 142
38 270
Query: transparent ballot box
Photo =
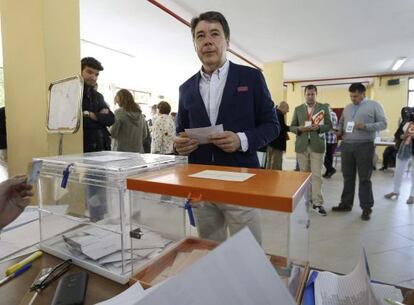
85 211
276 199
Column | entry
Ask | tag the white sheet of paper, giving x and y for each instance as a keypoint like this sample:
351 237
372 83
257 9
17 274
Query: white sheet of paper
201 134
236 272
104 158
30 214
386 291
222 175
351 289
127 297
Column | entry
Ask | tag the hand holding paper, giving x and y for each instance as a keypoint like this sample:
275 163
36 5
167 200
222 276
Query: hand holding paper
184 145
228 141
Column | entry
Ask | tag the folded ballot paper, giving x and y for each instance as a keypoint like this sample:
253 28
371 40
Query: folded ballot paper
352 289
236 272
102 246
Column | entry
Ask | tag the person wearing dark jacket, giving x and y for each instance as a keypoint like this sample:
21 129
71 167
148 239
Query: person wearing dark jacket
96 114
238 98
276 148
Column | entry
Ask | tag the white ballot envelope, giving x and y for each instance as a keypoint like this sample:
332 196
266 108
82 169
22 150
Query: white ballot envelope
201 134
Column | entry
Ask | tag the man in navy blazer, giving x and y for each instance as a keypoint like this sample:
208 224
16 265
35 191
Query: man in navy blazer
235 96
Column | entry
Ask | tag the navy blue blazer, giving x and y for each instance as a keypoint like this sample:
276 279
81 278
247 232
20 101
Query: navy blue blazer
246 106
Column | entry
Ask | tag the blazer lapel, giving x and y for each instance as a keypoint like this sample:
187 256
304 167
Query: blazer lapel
229 90
200 107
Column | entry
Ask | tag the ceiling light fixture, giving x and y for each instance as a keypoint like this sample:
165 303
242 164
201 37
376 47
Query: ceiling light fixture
398 63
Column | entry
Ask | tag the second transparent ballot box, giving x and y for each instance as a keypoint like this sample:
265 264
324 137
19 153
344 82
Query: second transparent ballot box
85 211
277 200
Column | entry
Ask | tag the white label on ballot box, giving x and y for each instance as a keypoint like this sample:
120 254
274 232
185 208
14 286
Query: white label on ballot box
222 175
350 127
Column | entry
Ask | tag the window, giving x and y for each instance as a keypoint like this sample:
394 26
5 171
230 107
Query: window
411 92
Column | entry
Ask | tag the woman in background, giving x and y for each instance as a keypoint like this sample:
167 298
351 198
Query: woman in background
130 129
163 131
405 154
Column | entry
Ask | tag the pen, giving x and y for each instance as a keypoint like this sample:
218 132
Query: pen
391 302
16 274
27 260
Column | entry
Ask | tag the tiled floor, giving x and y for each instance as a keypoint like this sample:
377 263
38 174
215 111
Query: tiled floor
336 240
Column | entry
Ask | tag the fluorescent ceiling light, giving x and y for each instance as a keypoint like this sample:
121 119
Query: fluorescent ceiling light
398 63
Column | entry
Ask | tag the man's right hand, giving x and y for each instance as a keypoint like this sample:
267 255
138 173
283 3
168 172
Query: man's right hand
184 145
304 129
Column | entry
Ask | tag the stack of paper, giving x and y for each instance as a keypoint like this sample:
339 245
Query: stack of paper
103 246
352 289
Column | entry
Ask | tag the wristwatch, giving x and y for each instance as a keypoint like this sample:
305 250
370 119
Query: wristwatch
86 113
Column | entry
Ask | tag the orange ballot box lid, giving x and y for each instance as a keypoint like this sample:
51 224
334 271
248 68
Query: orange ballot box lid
257 188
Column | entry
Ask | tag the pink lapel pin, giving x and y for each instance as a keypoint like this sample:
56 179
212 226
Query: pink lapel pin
242 89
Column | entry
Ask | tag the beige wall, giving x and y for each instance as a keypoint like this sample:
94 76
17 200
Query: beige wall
41 43
273 73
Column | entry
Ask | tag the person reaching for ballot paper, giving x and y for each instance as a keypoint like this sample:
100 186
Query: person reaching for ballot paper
14 197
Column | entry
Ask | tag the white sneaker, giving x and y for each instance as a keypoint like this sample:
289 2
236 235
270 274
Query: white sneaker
319 209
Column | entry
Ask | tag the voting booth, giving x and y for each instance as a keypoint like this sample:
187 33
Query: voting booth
278 196
85 211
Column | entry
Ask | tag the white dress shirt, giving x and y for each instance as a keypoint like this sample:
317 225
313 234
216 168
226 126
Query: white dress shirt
211 91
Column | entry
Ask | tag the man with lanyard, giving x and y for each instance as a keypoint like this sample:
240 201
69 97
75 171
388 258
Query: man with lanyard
235 96
310 122
358 125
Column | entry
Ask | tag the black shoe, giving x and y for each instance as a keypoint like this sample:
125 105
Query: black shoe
331 173
366 214
318 209
326 174
383 168
342 208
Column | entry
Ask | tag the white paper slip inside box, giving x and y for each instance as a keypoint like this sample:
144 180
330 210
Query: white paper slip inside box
201 134
222 175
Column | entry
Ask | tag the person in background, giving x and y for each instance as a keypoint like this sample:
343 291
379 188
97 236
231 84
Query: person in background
163 131
154 112
310 122
405 154
389 157
275 149
96 114
331 143
237 97
173 116
15 195
358 125
130 128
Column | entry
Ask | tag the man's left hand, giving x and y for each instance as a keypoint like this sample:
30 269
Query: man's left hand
228 141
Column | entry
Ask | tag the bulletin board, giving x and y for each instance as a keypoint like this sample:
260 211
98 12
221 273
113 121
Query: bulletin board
65 105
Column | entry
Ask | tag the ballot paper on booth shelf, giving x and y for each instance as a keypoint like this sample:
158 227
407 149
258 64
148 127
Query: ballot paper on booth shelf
236 272
352 289
201 134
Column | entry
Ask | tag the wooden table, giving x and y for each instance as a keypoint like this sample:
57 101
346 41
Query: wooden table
16 290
